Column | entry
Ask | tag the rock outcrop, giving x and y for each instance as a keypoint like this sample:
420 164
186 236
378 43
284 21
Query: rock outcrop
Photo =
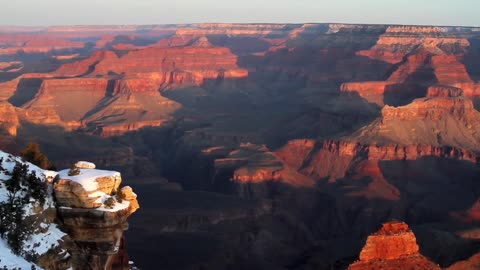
14 66
253 30
468 264
255 169
27 43
394 246
202 62
424 56
129 104
9 121
83 67
94 211
444 118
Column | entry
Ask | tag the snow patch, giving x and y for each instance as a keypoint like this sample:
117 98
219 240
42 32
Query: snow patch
9 163
11 261
96 194
50 234
117 207
87 177
40 243
50 174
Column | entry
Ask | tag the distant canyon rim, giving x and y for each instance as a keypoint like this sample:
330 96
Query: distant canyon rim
264 146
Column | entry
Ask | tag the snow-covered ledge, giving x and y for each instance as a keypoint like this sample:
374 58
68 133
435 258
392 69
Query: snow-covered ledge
83 189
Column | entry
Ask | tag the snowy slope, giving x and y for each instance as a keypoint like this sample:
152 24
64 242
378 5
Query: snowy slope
10 260
46 237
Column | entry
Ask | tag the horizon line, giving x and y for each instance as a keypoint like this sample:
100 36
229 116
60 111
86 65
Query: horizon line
238 23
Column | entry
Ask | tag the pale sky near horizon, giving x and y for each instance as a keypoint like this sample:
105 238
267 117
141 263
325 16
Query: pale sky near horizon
87 12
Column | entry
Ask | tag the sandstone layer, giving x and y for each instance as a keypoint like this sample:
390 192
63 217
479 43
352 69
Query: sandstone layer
94 211
394 246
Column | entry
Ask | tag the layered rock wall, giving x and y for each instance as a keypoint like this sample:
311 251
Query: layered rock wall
94 211
394 246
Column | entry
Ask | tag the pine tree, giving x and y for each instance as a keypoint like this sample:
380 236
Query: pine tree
22 187
37 189
32 154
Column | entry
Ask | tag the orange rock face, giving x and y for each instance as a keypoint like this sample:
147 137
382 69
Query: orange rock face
11 66
371 91
429 54
394 245
392 241
429 109
444 91
256 164
138 100
449 70
82 67
201 62
233 29
9 120
27 43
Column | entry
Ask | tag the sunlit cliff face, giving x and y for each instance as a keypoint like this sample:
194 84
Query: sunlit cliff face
269 146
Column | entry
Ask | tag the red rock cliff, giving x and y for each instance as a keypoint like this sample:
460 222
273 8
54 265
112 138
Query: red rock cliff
394 246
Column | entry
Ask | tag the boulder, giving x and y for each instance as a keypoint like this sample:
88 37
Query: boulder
84 165
85 189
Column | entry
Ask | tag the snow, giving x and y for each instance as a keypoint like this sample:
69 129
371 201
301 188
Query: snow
50 174
87 177
117 207
40 243
104 197
10 260
9 163
96 194
3 192
48 235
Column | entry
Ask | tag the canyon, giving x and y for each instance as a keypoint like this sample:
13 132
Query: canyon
258 146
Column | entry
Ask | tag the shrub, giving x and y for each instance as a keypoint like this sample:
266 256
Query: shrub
110 203
22 187
120 196
74 171
32 154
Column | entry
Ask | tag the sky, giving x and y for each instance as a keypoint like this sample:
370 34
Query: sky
88 12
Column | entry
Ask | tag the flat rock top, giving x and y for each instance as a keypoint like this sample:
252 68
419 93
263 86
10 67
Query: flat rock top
392 241
393 227
87 177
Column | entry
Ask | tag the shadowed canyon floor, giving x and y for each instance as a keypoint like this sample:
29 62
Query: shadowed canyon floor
264 146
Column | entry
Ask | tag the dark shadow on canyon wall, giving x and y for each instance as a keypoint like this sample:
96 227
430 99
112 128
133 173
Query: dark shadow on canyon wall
472 59
26 91
211 223
403 94
195 229
431 191
414 86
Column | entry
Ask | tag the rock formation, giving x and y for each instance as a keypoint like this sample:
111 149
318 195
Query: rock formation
255 167
14 66
9 121
471 263
424 56
25 43
209 63
387 112
94 210
444 118
393 247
